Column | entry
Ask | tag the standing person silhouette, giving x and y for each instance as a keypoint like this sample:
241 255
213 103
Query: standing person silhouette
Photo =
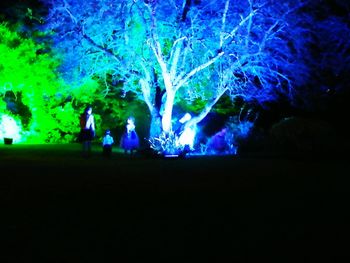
87 130
130 140
107 144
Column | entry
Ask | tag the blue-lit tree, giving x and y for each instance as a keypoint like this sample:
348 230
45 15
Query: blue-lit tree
172 50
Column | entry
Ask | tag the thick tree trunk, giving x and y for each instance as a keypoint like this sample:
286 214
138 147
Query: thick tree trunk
156 125
168 112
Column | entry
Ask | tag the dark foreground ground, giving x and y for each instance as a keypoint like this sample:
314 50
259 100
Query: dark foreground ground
59 207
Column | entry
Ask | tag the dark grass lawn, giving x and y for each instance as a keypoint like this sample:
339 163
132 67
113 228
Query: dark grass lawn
59 207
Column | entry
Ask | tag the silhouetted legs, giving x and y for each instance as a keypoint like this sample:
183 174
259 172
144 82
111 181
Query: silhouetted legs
86 148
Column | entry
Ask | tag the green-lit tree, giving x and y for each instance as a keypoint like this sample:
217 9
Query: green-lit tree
171 50
31 92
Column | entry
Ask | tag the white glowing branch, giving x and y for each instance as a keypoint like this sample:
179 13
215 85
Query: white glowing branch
243 21
175 55
223 23
196 70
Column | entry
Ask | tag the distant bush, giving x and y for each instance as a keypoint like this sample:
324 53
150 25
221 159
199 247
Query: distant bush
302 135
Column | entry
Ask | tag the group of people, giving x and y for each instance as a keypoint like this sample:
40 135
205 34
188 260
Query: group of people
129 140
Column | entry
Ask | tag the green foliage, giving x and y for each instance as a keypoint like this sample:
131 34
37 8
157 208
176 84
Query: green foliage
225 106
47 107
30 76
84 92
194 106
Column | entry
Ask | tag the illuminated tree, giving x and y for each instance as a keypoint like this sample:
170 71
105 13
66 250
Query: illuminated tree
32 94
175 50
